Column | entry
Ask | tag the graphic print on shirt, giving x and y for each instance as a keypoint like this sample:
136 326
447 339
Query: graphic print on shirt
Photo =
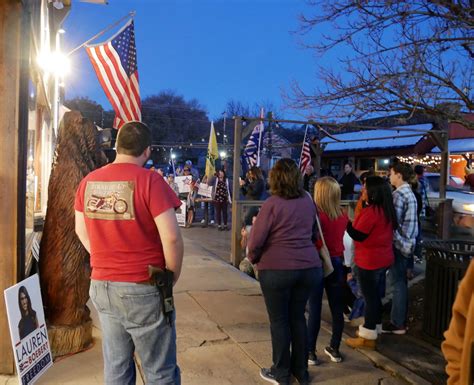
109 200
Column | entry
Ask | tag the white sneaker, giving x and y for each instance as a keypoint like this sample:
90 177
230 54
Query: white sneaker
203 221
212 222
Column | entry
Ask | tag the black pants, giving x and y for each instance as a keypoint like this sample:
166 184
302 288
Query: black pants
371 283
286 293
221 207
334 286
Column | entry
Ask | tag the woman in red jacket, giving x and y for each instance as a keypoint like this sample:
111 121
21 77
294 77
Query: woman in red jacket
372 232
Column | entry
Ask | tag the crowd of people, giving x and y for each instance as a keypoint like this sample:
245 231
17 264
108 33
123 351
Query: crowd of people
286 247
135 266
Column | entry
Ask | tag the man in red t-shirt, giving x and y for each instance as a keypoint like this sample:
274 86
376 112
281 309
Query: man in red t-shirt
125 218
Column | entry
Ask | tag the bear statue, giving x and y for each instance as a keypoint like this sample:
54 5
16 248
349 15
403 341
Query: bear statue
64 266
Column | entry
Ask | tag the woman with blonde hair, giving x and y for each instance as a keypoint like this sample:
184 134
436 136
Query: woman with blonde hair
327 196
282 245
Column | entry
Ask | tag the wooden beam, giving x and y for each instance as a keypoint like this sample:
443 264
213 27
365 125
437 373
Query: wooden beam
10 52
235 249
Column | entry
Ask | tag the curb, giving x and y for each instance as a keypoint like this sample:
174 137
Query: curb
384 363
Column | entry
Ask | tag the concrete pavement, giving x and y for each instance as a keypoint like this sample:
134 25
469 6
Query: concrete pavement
224 337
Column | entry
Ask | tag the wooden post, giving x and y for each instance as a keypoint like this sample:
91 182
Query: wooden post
445 219
235 249
10 52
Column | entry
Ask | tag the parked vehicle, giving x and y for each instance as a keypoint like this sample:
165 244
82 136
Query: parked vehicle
463 199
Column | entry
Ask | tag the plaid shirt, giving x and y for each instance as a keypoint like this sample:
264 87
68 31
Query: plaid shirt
404 237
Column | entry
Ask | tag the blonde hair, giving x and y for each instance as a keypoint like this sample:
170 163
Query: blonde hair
327 195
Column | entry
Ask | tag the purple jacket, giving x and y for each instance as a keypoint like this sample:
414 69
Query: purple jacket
282 236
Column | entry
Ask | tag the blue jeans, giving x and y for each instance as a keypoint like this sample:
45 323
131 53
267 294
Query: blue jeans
132 321
334 285
398 275
372 285
286 293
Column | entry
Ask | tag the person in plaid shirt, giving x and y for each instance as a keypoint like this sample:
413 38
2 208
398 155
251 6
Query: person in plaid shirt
404 239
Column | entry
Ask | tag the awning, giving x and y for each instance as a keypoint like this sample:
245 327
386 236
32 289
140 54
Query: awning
367 139
458 146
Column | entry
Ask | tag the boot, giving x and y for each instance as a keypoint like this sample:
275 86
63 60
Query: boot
366 339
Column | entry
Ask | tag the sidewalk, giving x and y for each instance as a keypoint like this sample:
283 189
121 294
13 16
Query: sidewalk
224 337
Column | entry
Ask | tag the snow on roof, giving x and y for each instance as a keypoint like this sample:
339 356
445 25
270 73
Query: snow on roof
458 146
370 136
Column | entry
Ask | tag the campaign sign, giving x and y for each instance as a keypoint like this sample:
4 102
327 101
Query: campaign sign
28 329
181 214
184 183
205 190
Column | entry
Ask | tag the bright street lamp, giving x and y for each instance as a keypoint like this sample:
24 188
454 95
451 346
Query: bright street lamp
223 154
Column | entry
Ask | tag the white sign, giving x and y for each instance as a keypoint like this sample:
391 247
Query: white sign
28 330
184 183
181 214
205 190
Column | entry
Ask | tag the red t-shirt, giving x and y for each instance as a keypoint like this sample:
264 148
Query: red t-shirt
120 202
333 231
376 251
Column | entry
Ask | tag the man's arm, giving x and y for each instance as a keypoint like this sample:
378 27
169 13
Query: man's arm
81 230
171 240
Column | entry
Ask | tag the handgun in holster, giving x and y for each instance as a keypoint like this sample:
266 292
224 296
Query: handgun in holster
163 280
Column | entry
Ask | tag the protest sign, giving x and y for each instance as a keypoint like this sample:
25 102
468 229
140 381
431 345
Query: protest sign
205 190
184 183
28 330
181 214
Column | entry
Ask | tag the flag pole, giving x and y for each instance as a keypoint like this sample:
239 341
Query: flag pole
302 147
260 132
130 14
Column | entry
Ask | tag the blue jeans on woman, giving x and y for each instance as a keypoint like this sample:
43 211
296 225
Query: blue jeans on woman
286 293
334 285
372 285
132 320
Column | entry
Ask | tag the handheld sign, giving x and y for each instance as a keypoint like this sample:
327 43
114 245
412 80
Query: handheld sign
181 214
205 190
184 183
28 329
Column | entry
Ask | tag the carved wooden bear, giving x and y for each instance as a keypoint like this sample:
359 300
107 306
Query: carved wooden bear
64 263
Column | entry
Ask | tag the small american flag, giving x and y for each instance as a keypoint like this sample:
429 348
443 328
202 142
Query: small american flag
115 63
305 157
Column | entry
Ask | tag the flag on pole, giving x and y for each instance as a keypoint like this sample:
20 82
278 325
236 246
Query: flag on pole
212 153
305 157
115 63
254 145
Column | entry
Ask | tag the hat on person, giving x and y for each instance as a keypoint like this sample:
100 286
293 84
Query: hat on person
188 163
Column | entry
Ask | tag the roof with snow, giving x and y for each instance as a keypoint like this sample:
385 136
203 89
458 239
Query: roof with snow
458 146
368 138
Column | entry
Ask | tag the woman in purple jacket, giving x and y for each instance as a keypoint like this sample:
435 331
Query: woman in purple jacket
282 245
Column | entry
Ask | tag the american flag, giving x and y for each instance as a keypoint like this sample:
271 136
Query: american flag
254 144
305 157
115 63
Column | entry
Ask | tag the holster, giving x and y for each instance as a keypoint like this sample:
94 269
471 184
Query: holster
163 280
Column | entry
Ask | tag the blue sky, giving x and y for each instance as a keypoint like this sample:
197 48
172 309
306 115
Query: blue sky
210 50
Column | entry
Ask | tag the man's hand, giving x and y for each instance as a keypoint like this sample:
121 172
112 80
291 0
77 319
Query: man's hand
171 240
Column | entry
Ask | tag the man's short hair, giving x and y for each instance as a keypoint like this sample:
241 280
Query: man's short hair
419 169
404 169
133 138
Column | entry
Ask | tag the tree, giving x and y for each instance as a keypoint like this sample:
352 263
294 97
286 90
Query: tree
407 57
173 119
91 110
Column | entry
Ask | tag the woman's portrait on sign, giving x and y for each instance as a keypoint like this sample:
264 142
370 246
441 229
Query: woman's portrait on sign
28 321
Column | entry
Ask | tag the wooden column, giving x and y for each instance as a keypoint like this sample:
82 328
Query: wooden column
235 249
10 32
